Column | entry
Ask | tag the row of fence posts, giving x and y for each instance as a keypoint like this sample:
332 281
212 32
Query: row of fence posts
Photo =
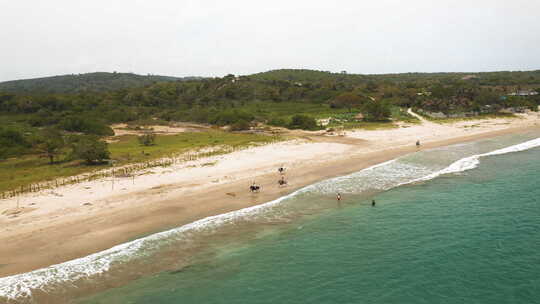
125 171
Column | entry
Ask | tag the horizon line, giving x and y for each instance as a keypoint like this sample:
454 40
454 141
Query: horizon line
280 69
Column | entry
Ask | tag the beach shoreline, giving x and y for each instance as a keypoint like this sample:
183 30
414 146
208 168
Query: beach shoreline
54 234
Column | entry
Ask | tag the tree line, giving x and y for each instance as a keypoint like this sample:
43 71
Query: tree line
239 101
50 143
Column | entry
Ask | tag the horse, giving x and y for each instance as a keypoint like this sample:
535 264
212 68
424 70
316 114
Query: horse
254 188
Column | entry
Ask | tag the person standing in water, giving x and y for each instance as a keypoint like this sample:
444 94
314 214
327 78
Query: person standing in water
338 197
372 203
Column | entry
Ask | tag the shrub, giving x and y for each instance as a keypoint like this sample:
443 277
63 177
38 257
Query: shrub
90 149
12 143
148 139
347 100
240 125
277 121
376 111
49 143
84 125
229 117
305 122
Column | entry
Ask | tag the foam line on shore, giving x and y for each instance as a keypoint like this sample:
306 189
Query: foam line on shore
21 285
471 162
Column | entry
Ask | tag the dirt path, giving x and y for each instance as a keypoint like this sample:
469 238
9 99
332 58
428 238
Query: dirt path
422 119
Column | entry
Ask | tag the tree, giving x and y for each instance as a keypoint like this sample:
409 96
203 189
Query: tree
86 125
50 143
277 121
147 139
305 122
240 125
91 149
347 100
12 143
488 101
228 117
11 137
376 111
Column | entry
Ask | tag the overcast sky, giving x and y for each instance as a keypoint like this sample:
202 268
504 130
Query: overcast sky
214 38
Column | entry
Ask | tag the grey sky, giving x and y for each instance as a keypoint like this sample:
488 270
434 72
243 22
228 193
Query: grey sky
213 38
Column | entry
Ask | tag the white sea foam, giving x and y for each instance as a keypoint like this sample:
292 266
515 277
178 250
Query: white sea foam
22 285
472 162
377 178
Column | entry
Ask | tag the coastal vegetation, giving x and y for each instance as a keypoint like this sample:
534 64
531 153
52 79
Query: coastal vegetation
59 124
90 82
89 155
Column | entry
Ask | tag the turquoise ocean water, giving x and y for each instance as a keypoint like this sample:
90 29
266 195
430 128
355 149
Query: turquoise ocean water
449 227
472 237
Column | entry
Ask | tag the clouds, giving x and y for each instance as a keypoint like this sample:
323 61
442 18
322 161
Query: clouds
213 38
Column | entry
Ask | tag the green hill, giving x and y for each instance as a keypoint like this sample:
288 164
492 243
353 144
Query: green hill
285 98
90 82
482 78
303 75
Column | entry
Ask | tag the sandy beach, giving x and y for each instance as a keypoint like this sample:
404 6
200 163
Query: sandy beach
62 224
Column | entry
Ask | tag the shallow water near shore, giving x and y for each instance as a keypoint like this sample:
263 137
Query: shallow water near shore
452 239
468 237
459 236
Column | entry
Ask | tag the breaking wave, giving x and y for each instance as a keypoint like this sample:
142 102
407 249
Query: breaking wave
383 176
21 285
472 162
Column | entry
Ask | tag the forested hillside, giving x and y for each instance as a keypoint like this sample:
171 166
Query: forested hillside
287 98
48 135
503 78
76 83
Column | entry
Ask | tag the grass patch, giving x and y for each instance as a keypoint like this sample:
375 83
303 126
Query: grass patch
364 125
370 125
22 171
469 118
347 121
285 110
128 149
17 172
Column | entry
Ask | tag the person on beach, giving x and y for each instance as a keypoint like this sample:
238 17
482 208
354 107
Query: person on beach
282 182
372 203
338 197
281 170
418 143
